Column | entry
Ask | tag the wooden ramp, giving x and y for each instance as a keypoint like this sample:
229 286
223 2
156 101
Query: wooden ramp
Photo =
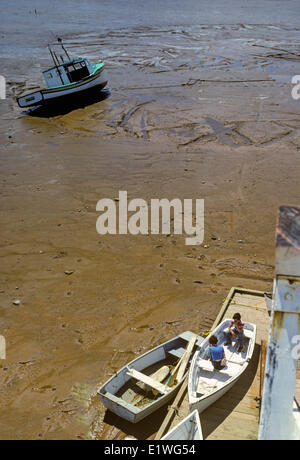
235 416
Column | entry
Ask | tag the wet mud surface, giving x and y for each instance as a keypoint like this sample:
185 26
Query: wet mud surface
199 112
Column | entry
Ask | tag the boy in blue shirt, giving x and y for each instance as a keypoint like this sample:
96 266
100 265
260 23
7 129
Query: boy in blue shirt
217 353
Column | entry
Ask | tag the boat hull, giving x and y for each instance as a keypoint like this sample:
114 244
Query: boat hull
45 96
129 414
215 384
127 411
188 430
201 405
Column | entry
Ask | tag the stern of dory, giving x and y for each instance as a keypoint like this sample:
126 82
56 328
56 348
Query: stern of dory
189 429
150 381
206 385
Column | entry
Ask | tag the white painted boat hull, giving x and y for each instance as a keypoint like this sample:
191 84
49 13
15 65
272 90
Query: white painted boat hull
129 414
188 429
127 411
54 95
200 406
206 385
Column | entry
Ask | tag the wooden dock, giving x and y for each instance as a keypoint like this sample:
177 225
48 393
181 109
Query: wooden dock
235 416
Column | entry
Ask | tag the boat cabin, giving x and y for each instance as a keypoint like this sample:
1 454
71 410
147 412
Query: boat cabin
67 72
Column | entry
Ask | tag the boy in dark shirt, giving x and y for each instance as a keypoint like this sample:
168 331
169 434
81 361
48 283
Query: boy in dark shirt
236 331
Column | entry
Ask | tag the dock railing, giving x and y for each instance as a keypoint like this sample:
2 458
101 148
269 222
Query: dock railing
280 411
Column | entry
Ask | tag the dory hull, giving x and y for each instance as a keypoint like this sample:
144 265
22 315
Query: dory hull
206 385
201 405
188 430
97 81
127 411
130 414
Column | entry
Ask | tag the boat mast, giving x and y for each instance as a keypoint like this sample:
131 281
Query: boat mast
66 52
279 412
56 63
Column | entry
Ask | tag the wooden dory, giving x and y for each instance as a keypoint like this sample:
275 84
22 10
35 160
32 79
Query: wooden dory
206 385
142 386
188 429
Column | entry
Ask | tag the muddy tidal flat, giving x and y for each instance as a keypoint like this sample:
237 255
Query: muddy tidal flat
200 111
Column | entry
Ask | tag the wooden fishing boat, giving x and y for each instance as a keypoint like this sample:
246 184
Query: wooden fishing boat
206 385
151 380
68 78
188 429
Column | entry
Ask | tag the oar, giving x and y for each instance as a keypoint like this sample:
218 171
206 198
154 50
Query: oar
186 357
183 362
171 379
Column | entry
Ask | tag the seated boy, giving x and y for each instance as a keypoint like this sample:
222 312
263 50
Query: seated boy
236 331
217 353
